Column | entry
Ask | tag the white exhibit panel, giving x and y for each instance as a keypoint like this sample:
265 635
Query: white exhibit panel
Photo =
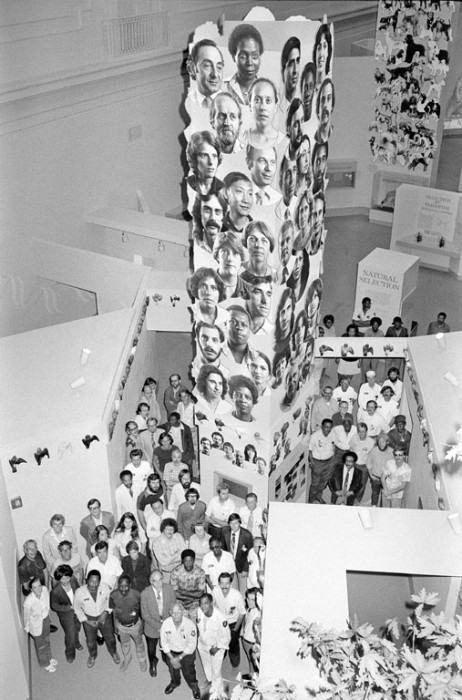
387 278
428 223
438 370
168 309
310 549
44 414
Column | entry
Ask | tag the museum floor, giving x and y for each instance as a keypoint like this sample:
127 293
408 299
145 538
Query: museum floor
349 240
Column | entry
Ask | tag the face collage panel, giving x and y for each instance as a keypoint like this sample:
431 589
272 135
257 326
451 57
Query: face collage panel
261 113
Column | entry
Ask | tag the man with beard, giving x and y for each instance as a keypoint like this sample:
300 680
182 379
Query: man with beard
208 213
210 340
238 192
319 162
307 85
325 104
226 120
286 245
290 69
258 304
262 164
376 461
319 210
294 126
287 183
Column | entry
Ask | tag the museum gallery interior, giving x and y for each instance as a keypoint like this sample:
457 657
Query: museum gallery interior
263 216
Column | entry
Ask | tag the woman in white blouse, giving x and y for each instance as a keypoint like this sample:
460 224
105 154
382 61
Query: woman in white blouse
37 623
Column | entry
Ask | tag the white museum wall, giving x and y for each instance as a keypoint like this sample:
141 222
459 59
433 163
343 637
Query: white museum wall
334 542
42 367
442 402
13 646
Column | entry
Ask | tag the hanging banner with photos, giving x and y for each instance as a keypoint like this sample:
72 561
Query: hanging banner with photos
412 56
262 105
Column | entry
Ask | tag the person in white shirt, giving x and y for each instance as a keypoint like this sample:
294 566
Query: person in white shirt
205 67
363 317
230 602
395 477
125 494
342 436
217 562
37 623
91 605
321 452
256 559
107 564
395 382
156 515
219 509
214 639
387 405
251 514
374 420
345 392
178 494
362 444
369 390
178 640
140 470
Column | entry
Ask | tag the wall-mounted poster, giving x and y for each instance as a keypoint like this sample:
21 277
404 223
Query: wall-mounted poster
261 103
412 55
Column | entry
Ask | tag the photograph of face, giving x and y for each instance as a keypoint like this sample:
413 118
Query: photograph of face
269 125
226 120
206 67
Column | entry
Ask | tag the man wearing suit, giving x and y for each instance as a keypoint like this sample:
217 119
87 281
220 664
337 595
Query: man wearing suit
181 435
96 517
346 480
149 439
238 541
156 601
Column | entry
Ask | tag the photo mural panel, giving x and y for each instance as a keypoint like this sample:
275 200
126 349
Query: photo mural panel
262 104
412 55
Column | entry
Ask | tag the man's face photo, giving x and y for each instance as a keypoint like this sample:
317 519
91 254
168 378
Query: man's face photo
289 179
208 70
263 166
259 304
211 218
294 130
308 87
326 99
240 198
205 446
286 244
320 165
318 216
226 122
210 344
238 327
291 73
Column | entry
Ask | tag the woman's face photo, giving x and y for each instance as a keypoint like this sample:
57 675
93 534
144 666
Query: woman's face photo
298 265
304 214
314 304
263 105
303 157
322 52
208 293
248 59
213 387
207 161
259 370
